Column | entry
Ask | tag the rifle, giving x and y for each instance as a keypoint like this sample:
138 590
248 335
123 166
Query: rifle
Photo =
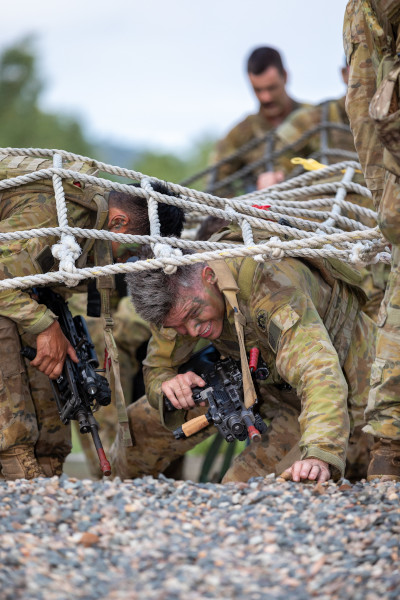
223 393
80 389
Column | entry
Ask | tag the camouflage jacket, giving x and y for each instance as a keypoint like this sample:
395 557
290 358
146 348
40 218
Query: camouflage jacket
253 127
33 206
286 304
306 119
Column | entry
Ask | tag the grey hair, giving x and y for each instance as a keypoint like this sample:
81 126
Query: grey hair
154 293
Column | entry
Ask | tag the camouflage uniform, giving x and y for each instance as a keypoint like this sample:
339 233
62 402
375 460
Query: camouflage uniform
28 416
298 123
253 127
370 39
313 337
306 119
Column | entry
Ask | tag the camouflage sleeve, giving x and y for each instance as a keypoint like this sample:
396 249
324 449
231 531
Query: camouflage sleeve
27 257
19 258
165 353
307 360
239 135
292 130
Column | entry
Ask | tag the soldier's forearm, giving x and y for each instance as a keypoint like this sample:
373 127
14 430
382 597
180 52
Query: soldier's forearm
29 315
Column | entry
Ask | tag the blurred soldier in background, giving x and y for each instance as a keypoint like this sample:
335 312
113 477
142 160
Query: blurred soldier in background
328 144
268 79
372 43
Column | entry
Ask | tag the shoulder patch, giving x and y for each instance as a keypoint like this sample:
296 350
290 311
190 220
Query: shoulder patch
285 317
262 319
282 320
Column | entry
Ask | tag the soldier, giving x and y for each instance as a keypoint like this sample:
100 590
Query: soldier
321 144
371 43
304 317
268 79
33 441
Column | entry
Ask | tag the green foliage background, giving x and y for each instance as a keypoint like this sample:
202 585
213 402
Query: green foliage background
23 123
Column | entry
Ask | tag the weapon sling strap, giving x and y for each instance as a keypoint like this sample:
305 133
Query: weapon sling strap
228 286
103 255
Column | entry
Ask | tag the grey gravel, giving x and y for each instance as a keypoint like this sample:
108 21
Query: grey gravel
62 539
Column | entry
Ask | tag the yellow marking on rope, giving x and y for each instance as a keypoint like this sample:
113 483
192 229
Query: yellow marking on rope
310 164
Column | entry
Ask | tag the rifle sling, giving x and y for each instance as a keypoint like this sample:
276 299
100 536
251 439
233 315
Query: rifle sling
102 255
228 286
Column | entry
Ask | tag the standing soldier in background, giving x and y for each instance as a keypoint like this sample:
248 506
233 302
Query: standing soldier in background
268 79
328 145
371 43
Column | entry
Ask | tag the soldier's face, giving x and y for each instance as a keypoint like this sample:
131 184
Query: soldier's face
199 312
269 87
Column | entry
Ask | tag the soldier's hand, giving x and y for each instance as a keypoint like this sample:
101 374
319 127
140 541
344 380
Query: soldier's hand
265 180
179 389
309 468
51 349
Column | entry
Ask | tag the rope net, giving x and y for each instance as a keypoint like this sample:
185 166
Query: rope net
307 216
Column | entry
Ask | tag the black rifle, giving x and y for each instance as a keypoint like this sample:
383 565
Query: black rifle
223 393
80 389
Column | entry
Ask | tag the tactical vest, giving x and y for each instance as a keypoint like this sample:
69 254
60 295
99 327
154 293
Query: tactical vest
347 297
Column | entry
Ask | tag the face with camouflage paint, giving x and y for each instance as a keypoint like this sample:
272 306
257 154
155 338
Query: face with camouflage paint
120 222
200 310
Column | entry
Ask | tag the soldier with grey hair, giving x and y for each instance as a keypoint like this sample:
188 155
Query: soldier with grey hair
306 320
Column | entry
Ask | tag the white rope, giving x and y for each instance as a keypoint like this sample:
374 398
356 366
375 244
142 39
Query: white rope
317 226
67 250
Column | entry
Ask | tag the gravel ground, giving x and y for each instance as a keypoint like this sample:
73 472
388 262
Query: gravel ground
62 539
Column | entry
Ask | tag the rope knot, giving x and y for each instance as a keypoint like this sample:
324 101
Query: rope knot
357 255
164 251
276 253
66 252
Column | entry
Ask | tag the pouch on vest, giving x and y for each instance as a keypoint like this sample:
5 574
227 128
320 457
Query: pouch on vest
384 111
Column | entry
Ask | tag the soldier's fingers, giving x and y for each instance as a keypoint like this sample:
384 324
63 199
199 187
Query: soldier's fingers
41 363
314 472
184 395
192 379
296 470
72 354
169 392
306 470
56 370
324 475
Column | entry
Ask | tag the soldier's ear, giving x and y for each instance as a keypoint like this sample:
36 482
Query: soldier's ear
118 220
208 275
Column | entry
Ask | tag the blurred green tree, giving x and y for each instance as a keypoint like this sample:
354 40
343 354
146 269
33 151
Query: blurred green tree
171 167
22 122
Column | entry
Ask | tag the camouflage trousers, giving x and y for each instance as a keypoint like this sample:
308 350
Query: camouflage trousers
383 409
366 43
155 446
28 412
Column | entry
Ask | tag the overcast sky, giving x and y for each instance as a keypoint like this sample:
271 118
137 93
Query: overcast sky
162 73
